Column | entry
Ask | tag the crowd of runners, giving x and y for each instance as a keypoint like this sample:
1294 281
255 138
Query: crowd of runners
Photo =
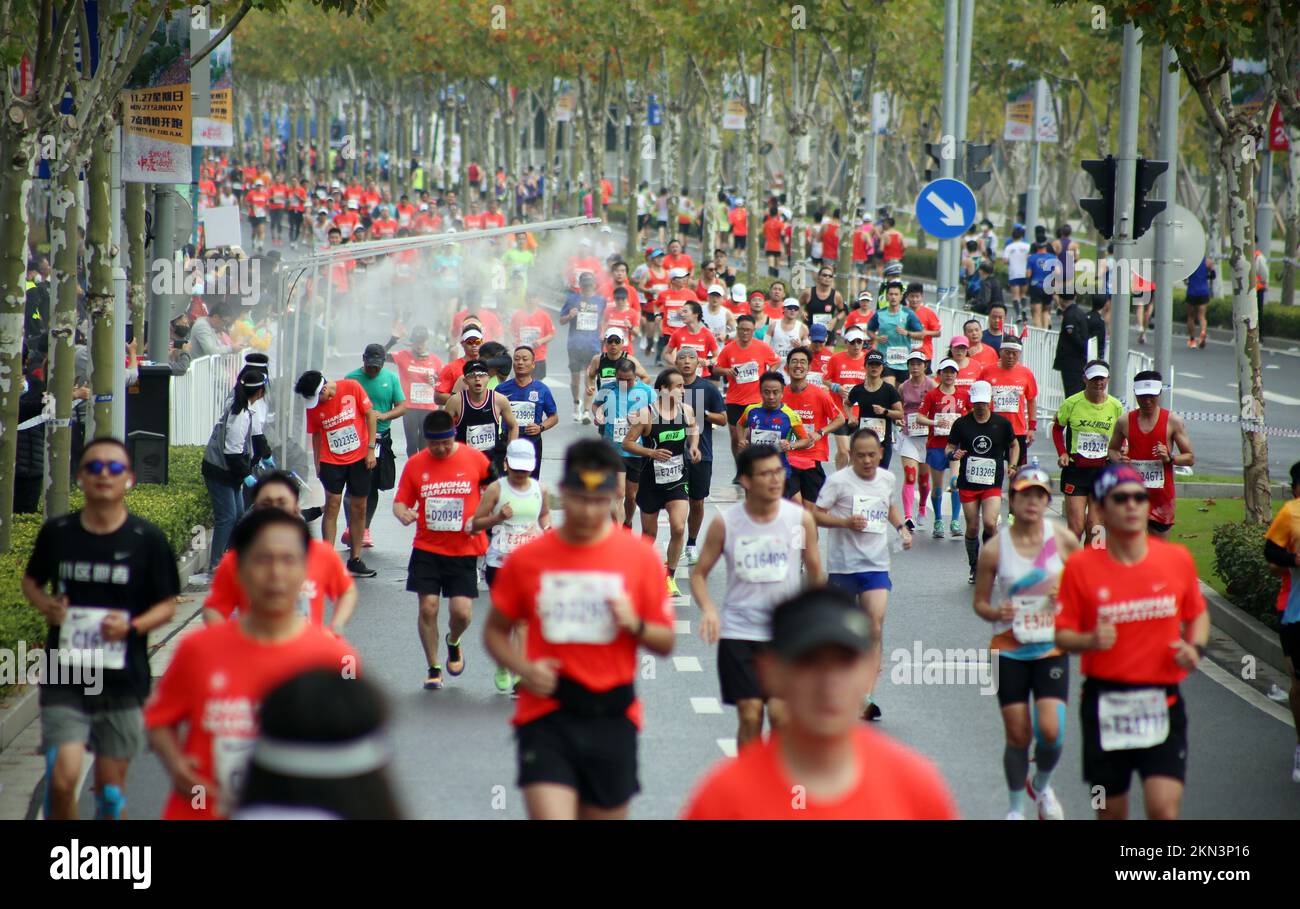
850 422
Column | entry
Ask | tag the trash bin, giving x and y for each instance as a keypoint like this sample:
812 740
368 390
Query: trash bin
148 423
148 456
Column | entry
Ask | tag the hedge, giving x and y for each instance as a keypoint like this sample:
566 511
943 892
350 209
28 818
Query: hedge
176 509
1239 560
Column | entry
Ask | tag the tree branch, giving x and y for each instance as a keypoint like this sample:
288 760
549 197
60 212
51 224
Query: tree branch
221 35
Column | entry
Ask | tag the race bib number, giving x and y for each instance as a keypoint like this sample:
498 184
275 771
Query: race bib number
230 758
278 198
422 393
914 428
511 536
528 335
876 425
483 436
896 357
259 211
1093 445
982 471
574 606
675 318
1035 621
875 510
668 472
525 412
943 423
588 321
815 378
81 642
1153 473
1006 399
619 431
746 372
822 318
444 514
765 437
343 440
1133 719
762 560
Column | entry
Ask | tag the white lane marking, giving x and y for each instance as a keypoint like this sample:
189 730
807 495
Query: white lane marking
1183 374
1202 395
1281 399
1246 693
682 626
706 705
687 664
728 747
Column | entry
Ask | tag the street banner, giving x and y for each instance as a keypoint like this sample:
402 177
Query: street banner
880 112
565 106
218 129
1020 115
1278 140
733 113
1045 113
156 121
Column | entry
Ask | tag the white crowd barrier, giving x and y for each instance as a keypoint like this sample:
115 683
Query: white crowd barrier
198 396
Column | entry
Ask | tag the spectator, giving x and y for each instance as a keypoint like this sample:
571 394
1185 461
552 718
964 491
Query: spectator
1071 344
1097 325
178 354
208 335
984 290
29 463
228 459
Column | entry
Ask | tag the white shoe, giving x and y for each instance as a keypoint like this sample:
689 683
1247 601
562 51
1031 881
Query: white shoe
577 416
692 555
1015 816
1049 809
586 418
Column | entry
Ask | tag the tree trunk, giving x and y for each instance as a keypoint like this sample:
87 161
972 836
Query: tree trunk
99 291
712 154
1215 225
855 167
637 113
394 113
511 136
549 170
14 186
63 322
138 274
1291 248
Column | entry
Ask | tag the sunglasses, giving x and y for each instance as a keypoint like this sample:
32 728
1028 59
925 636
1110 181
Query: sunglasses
96 467
1123 498
826 275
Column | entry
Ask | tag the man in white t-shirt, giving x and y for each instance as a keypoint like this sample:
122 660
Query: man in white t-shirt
1016 255
857 504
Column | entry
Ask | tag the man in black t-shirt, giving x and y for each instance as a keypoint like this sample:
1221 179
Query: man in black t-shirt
878 406
986 445
710 411
103 579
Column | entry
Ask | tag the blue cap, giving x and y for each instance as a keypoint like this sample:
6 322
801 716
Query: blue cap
818 333
1112 476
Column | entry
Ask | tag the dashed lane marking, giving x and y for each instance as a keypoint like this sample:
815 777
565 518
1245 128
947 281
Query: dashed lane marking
687 664
682 626
728 747
706 705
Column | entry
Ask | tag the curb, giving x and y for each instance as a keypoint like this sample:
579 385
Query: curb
1247 631
1224 491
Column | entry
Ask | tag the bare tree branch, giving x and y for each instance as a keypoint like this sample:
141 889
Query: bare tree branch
221 35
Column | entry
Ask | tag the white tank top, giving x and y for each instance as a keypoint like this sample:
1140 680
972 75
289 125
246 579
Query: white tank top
783 341
1022 577
763 568
716 322
526 508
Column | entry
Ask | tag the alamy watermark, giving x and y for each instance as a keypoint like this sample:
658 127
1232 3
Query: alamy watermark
228 276
83 668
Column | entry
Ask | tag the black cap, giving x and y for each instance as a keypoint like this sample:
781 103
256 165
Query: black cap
875 358
594 482
814 618
476 366
373 355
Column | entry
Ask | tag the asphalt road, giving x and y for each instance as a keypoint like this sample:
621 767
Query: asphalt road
455 752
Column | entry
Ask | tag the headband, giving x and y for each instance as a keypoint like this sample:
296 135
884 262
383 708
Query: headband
323 760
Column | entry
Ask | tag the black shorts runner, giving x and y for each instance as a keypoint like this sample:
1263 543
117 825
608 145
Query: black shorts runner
699 480
1038 296
642 221
596 756
429 573
1077 481
1113 770
632 467
650 497
738 670
1197 300
733 413
739 242
355 477
807 483
1048 677
1024 450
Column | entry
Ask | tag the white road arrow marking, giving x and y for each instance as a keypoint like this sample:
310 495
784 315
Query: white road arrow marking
953 216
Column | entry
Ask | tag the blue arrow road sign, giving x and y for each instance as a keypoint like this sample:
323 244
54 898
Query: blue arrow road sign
945 208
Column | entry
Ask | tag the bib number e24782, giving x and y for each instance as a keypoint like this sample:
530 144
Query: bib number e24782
669 471
1133 719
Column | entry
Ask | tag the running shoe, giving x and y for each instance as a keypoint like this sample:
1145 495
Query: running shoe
577 416
954 529
346 539
971 579
692 555
455 658
366 542
1191 343
586 418
358 569
910 525
871 713
1049 808
938 529
1015 816
1201 341
433 681
672 588
1142 337
503 680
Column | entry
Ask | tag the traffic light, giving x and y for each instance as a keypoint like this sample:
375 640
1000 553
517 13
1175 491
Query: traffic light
1144 209
1102 210
935 151
975 156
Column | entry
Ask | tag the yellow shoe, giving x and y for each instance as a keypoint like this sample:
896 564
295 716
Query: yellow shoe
672 588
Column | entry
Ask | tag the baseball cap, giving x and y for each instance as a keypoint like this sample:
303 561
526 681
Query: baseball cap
875 358
655 253
947 364
866 295
475 365
917 355
1032 476
815 618
717 289
1114 475
677 272
615 332
521 455
586 276
854 334
471 334
1096 371
818 333
1146 387
790 303
373 355
738 292
958 341
981 393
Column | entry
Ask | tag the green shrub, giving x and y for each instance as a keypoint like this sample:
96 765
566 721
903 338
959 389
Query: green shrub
1239 560
1276 321
176 509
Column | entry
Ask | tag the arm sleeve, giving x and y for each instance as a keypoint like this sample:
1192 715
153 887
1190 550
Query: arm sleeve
1276 555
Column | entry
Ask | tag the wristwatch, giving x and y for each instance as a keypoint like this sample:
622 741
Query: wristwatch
1200 650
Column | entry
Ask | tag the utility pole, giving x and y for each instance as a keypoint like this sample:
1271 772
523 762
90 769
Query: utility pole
967 26
1125 183
160 304
1034 189
120 309
947 163
1164 277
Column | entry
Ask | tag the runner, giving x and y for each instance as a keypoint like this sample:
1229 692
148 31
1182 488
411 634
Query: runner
418 370
590 593
788 332
384 389
102 578
893 330
942 406
847 370
1016 255
1281 545
822 764
268 644
1015 396
531 402
1141 631
770 422
1022 566
983 354
864 309
773 246
821 355
985 443
471 339
656 281
327 579
1082 431
483 419
345 449
932 327
759 537
874 405
1146 439
863 248
532 327
821 415
672 439
717 317
693 335
822 303
742 361
614 404
623 316
912 431
968 370
891 244
1198 297
439 491
670 303
582 312
602 368
710 411
857 505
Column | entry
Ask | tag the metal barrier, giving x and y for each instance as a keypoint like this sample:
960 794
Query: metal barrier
198 396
